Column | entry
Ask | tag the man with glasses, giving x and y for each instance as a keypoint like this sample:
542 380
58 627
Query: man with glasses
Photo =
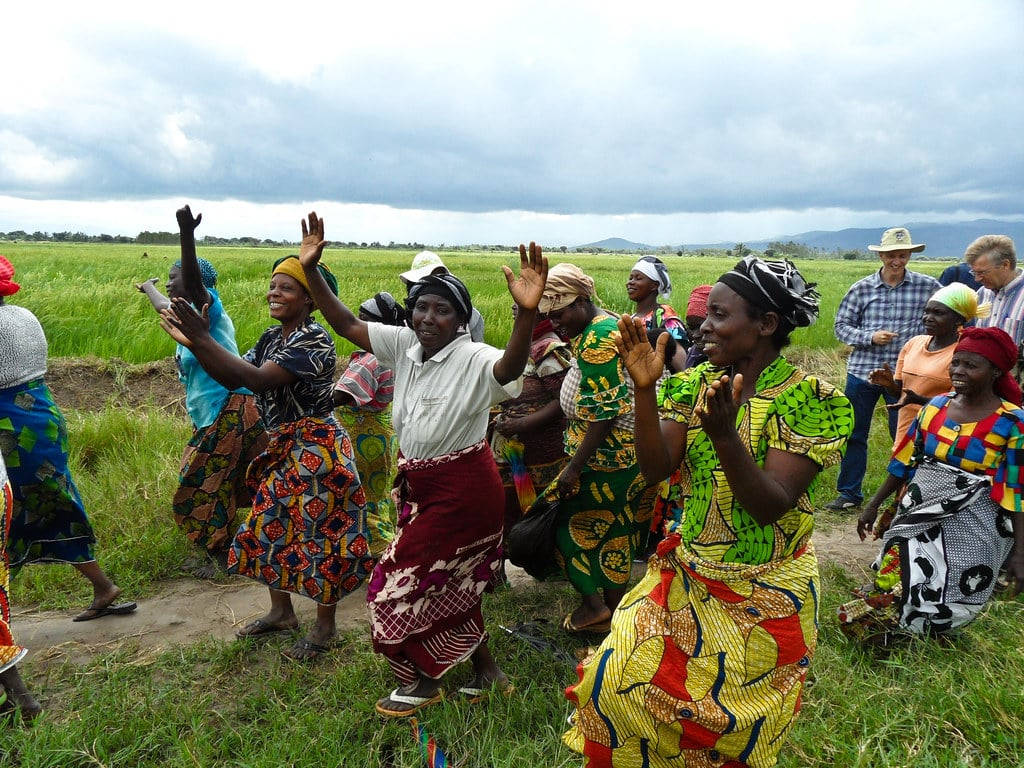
880 314
993 261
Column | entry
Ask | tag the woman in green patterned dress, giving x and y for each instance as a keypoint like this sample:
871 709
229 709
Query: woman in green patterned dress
600 488
707 655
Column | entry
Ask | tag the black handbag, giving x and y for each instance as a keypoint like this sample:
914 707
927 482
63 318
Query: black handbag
530 543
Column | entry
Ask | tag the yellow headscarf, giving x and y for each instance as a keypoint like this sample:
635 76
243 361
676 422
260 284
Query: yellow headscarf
291 266
962 300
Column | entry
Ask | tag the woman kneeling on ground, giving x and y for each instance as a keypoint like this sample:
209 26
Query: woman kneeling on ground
425 594
306 533
960 468
707 655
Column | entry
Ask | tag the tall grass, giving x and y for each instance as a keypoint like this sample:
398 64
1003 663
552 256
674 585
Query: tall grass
83 294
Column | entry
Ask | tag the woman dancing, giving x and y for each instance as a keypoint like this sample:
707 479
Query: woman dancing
425 594
49 524
227 431
306 533
708 653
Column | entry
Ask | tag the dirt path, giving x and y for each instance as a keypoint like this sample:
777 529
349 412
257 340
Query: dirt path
188 610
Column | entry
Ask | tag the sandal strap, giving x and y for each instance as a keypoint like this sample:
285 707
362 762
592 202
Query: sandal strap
412 701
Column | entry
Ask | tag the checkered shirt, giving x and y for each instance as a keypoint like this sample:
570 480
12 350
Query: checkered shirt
872 306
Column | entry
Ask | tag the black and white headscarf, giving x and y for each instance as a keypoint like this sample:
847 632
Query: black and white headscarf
655 269
383 308
775 286
448 287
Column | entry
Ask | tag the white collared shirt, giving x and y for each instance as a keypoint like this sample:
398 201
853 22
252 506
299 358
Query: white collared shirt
441 404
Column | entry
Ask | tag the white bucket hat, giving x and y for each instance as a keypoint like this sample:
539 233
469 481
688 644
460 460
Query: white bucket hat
897 239
423 263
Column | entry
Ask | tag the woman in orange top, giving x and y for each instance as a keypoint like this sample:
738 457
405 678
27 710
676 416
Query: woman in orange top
922 370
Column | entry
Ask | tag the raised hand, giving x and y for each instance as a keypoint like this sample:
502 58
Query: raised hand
185 221
718 414
312 246
166 317
645 364
183 317
882 377
527 289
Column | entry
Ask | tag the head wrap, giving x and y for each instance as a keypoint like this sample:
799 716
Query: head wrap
566 283
962 300
996 346
7 286
383 308
291 266
655 269
775 286
697 306
206 272
448 287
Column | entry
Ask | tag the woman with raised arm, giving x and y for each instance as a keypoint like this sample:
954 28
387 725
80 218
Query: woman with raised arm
49 523
425 594
960 467
707 654
227 432
306 533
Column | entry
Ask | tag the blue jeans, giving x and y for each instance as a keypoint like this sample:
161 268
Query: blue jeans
863 397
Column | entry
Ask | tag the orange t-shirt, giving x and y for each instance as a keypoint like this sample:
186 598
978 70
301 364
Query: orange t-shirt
925 372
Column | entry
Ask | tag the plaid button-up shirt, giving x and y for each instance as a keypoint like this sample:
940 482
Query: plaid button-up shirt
872 306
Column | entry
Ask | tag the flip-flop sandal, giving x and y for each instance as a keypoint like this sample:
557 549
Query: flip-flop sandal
305 650
475 695
114 609
259 627
416 703
597 628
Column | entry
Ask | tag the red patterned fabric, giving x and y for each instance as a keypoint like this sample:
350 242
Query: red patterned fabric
425 593
996 346
7 286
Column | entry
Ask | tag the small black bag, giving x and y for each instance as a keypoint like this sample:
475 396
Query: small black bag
530 543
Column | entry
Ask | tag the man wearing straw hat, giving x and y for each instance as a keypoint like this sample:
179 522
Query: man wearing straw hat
877 317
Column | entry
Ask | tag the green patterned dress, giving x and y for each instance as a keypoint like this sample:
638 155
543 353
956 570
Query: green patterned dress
600 527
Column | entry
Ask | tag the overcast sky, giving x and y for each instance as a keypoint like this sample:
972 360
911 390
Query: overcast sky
499 122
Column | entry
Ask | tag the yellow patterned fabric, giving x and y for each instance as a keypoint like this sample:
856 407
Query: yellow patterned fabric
704 666
791 412
707 655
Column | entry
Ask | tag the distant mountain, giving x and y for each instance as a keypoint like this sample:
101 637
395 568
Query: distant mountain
617 244
944 241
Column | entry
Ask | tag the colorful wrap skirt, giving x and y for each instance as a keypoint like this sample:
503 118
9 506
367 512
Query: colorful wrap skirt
211 482
426 592
49 523
704 665
306 532
601 527
375 446
10 654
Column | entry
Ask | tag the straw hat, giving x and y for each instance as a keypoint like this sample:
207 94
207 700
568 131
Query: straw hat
897 239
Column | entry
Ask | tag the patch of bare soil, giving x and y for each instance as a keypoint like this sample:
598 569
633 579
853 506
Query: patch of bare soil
92 384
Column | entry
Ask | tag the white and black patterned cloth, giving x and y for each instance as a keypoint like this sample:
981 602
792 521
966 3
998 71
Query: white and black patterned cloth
775 286
952 538
309 354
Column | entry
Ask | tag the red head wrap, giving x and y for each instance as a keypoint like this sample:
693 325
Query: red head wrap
7 286
697 306
996 346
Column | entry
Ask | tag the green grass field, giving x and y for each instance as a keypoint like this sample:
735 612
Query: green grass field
239 703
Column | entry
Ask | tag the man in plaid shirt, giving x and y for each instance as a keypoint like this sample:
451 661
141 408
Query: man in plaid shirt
880 314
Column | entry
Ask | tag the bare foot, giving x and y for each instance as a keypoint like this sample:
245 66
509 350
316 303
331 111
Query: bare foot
584 618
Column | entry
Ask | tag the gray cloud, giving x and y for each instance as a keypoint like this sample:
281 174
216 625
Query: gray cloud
921 115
